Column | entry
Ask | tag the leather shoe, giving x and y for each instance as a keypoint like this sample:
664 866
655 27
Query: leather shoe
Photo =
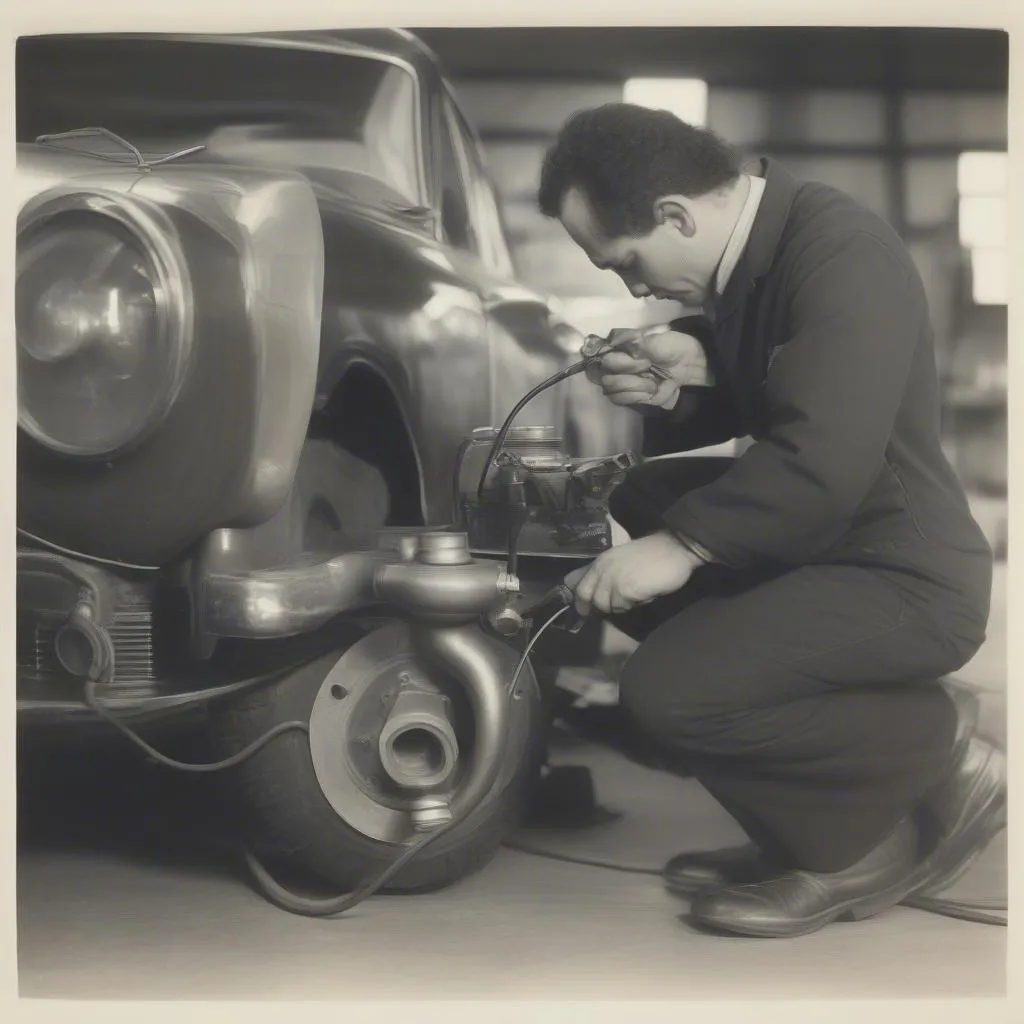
967 808
689 873
699 871
966 811
801 902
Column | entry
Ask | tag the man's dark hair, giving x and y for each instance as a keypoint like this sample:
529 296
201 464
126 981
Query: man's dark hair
622 157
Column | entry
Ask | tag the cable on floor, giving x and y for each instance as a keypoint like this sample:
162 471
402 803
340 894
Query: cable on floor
992 912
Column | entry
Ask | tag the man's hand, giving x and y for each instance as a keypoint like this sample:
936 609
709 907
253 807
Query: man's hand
620 374
633 574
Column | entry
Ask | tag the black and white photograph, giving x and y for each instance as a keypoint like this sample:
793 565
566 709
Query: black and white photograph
512 513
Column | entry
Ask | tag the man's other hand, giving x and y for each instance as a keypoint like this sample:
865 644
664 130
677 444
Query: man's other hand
633 574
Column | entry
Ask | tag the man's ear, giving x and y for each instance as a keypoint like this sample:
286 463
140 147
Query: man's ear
675 211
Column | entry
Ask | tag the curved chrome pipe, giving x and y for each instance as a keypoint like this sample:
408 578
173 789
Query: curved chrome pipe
259 604
442 590
444 594
466 652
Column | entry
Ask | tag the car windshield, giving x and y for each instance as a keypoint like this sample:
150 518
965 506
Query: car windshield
265 104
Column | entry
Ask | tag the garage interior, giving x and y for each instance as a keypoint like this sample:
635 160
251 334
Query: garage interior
913 123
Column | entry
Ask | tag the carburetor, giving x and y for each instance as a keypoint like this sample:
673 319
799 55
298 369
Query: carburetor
534 500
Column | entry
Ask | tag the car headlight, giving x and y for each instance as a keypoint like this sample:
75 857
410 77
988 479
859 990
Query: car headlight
103 310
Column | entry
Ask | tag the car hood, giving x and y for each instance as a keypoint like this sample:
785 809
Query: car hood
41 167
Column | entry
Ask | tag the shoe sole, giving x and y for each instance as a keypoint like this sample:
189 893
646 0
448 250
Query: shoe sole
695 888
970 840
856 908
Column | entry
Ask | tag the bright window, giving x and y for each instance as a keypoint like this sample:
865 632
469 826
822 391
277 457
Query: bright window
982 184
687 98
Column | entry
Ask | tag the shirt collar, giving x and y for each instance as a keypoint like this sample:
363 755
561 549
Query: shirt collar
740 234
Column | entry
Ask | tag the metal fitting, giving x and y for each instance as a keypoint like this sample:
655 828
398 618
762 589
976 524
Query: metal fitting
508 583
443 548
430 813
417 745
506 621
83 648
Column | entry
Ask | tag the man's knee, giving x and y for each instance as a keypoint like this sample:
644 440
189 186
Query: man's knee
689 694
661 697
640 696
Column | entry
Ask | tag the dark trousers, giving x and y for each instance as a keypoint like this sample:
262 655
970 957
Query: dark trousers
804 699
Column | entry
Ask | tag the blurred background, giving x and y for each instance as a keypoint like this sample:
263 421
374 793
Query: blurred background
911 122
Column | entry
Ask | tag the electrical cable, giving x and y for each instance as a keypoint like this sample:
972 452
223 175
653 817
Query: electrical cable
499 439
533 642
331 906
95 705
79 556
273 890
976 911
590 862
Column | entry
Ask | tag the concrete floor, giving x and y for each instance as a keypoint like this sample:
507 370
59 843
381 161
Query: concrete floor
121 896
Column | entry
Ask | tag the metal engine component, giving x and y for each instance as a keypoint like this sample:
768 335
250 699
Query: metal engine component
417 745
77 620
360 704
507 621
442 584
437 548
83 648
430 813
550 503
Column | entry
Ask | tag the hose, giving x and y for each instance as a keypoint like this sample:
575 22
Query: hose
330 906
93 703
273 890
992 912
977 911
499 439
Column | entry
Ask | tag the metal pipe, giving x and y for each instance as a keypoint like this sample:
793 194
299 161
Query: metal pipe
444 601
465 652
284 602
258 604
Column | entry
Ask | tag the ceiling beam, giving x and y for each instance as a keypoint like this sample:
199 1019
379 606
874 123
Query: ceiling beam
756 58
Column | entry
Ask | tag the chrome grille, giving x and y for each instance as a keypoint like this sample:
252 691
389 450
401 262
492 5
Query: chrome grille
132 636
35 660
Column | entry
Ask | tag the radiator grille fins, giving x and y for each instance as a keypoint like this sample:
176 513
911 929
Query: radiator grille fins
132 636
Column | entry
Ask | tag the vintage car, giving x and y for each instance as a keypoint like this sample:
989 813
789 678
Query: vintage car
263 298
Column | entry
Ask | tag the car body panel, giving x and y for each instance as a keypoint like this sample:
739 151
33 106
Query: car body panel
456 340
323 266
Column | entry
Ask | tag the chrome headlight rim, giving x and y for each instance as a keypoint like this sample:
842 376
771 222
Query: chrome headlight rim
159 243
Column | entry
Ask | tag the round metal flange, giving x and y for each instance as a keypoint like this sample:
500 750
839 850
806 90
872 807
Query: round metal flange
349 713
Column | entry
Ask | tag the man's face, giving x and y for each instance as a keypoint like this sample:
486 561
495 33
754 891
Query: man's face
674 261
